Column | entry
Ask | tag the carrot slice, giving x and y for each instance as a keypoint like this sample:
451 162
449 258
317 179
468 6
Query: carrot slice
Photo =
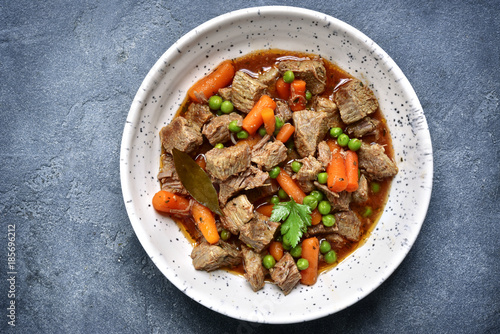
290 187
200 160
310 252
269 120
165 201
285 132
297 95
316 217
351 167
337 178
266 209
205 220
210 84
253 120
276 250
283 89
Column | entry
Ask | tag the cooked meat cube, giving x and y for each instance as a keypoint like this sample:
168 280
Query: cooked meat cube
336 240
283 111
237 213
309 170
168 177
306 185
217 131
339 201
366 126
268 77
375 163
285 273
361 194
182 135
198 114
255 272
313 72
211 257
249 179
310 128
260 144
225 93
320 229
225 162
324 104
259 232
261 192
324 154
245 91
270 155
349 225
355 101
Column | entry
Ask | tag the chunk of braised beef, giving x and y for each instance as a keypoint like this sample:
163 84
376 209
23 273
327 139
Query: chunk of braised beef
225 93
198 114
310 128
262 192
283 111
361 194
355 101
181 134
211 257
251 178
217 130
349 225
269 77
375 163
225 162
320 229
313 72
237 213
255 273
167 175
285 273
339 201
309 170
324 154
258 232
270 155
245 91
326 105
336 240
366 126
306 185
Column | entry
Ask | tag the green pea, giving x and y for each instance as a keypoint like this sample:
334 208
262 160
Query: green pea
274 172
343 140
296 251
354 144
286 242
310 201
234 127
323 178
328 220
296 166
215 102
282 194
375 187
226 107
242 134
274 200
330 257
262 131
324 247
335 132
302 264
308 95
268 261
219 145
368 212
317 194
324 207
279 123
288 77
225 234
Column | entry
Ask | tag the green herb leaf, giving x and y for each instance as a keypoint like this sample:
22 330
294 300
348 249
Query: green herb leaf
296 217
196 181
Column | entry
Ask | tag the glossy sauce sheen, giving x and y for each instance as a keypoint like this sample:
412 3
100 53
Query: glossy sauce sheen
258 62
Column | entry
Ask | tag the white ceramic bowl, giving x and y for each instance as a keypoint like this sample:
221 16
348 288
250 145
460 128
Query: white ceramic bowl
232 35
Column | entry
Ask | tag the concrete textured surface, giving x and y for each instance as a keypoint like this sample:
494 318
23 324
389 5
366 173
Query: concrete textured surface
68 73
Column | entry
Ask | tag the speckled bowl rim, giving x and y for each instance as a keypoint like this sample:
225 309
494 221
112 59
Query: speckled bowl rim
132 127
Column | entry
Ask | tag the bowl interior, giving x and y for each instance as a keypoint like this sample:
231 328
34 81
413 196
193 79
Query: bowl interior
233 35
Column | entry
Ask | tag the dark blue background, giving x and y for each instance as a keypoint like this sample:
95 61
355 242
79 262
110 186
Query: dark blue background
68 73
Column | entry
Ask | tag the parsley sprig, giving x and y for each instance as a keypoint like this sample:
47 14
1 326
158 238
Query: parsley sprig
296 217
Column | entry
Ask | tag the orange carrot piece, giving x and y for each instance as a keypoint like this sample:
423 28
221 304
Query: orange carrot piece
285 132
290 187
310 252
210 84
316 217
266 209
337 178
205 220
276 250
351 167
283 89
297 95
165 201
200 160
269 120
251 140
253 120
